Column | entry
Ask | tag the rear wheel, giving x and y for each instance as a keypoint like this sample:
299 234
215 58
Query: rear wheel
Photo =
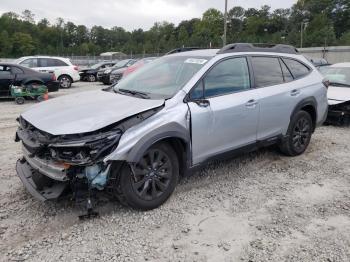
299 134
65 81
153 179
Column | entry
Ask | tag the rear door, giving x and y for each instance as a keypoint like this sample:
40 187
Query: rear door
224 110
279 94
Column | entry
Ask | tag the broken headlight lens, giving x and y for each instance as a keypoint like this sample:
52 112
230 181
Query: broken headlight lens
85 150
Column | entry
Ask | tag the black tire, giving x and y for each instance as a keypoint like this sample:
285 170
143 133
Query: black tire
91 78
40 98
19 100
155 179
299 135
65 81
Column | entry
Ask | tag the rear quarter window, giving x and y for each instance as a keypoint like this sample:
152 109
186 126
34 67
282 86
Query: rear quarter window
297 69
60 63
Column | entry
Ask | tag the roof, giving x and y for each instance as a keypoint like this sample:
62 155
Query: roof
202 52
261 48
341 65
43 56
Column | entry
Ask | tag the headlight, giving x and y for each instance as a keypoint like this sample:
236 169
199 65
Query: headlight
86 150
108 71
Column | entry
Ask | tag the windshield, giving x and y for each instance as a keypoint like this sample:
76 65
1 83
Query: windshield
164 77
96 65
337 75
121 63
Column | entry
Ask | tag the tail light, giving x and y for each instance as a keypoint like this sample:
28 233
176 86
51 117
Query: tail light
53 77
326 83
76 68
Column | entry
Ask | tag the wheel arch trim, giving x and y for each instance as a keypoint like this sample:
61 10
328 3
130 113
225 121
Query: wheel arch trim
169 131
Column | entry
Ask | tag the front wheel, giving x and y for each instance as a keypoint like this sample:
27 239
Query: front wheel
151 181
299 135
91 78
19 100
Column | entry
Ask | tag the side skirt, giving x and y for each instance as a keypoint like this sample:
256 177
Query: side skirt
236 152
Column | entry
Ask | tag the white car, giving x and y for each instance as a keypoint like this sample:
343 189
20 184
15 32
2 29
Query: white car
65 72
338 76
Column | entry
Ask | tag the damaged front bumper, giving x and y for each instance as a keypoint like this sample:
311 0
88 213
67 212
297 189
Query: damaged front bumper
339 114
38 185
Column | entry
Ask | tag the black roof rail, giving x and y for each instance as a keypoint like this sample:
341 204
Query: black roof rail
183 49
247 47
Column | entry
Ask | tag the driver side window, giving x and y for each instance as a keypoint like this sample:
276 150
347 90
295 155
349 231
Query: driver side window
229 76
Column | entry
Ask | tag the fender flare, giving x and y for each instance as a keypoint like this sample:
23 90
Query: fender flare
26 81
308 101
171 130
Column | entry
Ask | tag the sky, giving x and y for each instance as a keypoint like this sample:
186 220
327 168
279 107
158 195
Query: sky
129 14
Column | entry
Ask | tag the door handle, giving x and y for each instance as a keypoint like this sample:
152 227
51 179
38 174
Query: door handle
251 103
295 92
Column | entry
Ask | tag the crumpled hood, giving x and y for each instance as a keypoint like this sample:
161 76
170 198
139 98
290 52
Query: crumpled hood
337 95
85 112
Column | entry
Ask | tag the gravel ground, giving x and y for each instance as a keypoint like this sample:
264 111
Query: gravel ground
258 207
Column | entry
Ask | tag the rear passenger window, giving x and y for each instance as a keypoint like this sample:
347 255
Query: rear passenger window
296 68
229 76
286 73
267 71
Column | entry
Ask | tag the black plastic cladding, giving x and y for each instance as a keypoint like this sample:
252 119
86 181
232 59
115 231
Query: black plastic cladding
245 47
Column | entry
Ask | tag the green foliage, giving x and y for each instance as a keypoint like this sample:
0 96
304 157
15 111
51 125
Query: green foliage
325 22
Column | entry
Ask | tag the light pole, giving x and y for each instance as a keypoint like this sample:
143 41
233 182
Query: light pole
303 26
225 24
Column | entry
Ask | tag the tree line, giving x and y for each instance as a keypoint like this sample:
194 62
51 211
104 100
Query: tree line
322 22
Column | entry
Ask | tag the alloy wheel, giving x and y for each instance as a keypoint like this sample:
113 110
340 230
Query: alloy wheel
152 175
301 134
65 82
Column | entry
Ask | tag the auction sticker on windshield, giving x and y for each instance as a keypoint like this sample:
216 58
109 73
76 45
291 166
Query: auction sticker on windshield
195 61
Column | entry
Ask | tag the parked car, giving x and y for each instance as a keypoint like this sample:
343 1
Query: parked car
64 70
338 76
16 75
319 62
90 74
140 63
173 115
113 74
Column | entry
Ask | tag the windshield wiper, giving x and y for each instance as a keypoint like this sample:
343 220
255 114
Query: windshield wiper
339 84
134 93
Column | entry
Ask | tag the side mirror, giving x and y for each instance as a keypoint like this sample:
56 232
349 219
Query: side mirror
202 102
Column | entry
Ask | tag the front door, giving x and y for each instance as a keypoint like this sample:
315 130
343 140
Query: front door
224 110
6 79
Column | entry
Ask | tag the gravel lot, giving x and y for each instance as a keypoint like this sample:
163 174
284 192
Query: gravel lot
258 207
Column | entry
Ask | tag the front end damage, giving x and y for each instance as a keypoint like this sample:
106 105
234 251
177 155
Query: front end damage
53 165
339 113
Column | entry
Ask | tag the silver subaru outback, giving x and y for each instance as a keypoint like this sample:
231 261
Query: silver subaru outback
136 139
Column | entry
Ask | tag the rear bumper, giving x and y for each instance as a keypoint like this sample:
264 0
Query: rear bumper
53 86
39 186
75 76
